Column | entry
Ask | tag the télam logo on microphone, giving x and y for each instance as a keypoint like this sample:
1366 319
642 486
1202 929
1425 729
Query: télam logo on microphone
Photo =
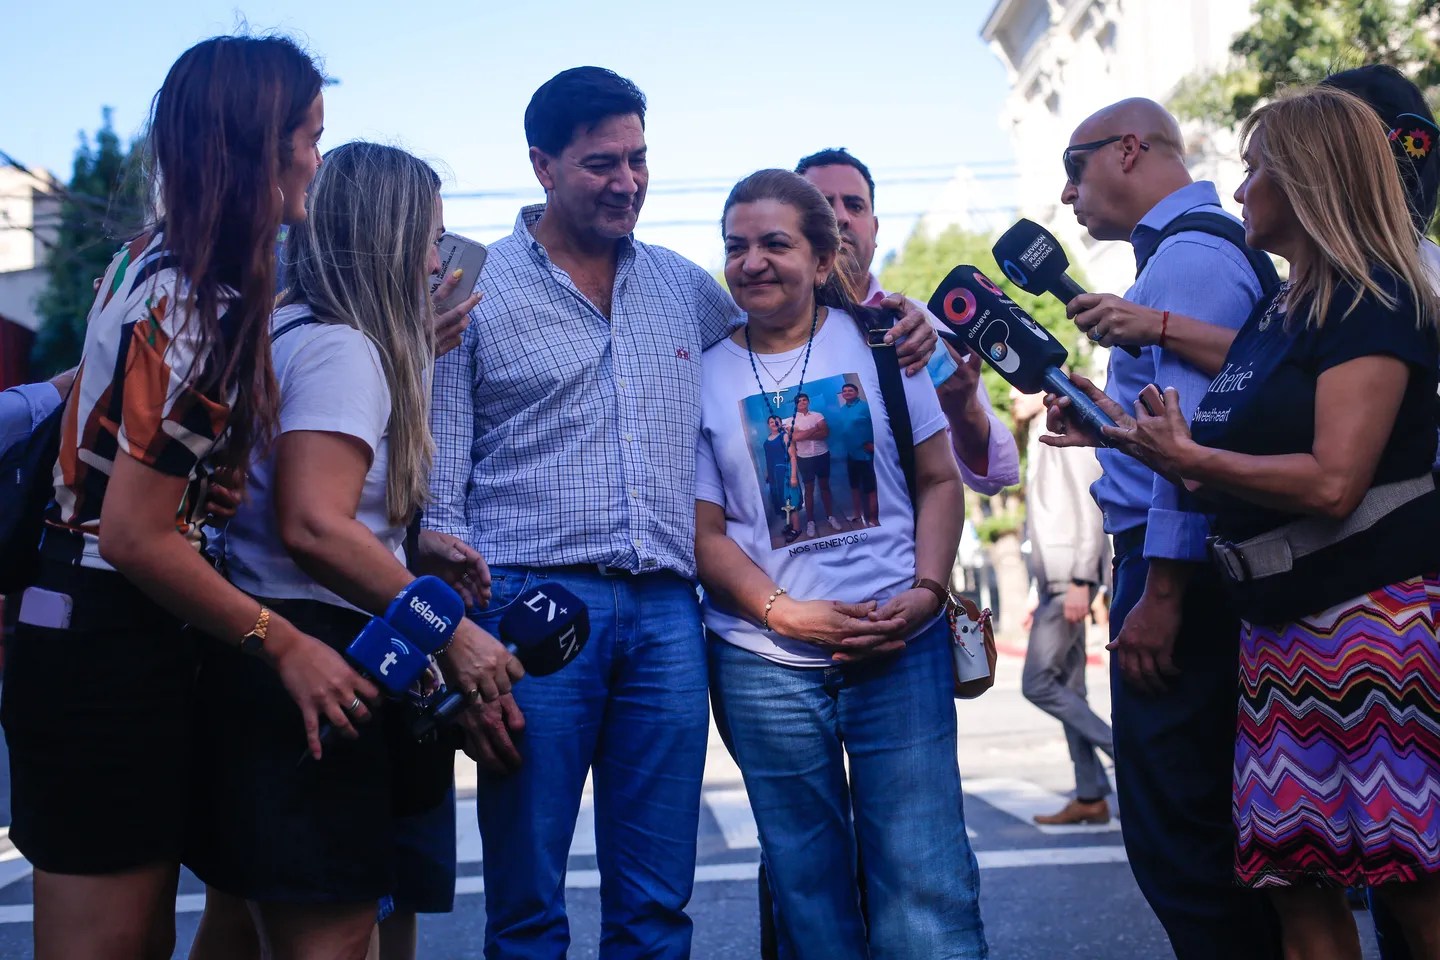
427 613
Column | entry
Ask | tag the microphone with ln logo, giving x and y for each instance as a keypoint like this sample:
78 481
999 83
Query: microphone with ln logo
545 628
1034 260
982 319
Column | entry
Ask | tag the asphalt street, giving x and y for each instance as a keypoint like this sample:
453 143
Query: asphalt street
1045 892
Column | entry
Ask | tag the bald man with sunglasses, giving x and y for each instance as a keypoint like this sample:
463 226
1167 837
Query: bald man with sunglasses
1174 673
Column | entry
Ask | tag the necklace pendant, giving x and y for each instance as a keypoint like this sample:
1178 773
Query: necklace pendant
779 399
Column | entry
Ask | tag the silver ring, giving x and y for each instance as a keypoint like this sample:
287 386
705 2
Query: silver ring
1095 335
354 705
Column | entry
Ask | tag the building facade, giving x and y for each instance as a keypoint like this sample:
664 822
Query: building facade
29 217
1068 58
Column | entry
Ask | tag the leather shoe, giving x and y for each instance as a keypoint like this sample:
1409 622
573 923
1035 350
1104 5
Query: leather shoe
1076 812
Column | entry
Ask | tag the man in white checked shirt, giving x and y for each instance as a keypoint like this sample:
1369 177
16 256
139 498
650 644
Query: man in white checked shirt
566 425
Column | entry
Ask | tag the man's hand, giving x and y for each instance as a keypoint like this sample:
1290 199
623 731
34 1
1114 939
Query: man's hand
1077 603
957 392
1146 645
457 563
491 730
1110 321
914 326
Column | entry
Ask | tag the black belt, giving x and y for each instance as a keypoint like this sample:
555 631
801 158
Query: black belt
1128 541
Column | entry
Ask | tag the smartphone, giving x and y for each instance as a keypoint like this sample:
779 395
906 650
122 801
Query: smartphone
45 608
464 254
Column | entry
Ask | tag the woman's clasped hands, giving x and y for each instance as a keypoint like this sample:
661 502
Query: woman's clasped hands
851 632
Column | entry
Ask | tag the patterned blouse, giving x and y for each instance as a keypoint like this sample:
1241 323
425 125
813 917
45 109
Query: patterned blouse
134 392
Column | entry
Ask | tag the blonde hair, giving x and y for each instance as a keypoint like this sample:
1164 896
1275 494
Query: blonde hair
359 259
1327 151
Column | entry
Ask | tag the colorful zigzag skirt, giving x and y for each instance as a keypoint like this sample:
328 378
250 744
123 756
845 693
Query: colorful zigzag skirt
1337 758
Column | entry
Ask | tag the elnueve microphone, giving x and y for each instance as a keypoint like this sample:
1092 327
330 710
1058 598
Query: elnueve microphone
1034 260
545 628
986 321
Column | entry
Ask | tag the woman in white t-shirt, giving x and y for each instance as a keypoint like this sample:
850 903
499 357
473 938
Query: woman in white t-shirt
320 537
831 648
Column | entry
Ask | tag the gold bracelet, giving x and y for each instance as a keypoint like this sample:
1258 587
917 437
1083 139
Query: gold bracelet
770 602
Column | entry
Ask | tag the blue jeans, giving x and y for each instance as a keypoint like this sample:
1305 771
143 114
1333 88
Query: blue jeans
791 730
1174 773
632 707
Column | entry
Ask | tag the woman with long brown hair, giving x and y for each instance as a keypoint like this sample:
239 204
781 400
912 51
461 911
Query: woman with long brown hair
175 382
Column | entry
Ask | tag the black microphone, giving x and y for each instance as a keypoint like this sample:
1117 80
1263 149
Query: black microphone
983 320
545 628
1034 260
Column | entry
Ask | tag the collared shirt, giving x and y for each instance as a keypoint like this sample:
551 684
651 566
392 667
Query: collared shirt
1004 455
1196 275
566 437
23 408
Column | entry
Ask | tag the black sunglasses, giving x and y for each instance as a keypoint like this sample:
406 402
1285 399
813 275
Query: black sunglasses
1074 168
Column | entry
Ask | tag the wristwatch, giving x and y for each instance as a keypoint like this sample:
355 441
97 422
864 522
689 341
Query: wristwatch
254 641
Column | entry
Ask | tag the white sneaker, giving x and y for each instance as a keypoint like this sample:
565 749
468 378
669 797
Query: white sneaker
836 524
810 529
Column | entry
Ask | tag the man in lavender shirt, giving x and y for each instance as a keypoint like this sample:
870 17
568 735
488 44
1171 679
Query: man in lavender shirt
984 447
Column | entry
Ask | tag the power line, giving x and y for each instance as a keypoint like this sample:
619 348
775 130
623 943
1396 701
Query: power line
718 185
715 221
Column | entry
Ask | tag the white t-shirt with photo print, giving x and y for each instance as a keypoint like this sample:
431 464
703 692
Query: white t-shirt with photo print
853 565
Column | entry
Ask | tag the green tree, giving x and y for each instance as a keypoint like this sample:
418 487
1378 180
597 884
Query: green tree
103 202
919 266
1302 41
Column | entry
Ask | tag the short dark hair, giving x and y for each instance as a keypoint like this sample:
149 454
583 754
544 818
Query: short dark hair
801 396
580 96
833 157
1390 94
849 386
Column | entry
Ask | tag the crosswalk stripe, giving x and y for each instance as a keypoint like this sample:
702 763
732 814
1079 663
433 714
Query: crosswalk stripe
731 809
1022 800
707 873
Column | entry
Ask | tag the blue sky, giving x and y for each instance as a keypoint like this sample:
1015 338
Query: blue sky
907 85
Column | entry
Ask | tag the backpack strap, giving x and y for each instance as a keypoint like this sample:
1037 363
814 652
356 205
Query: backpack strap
1227 229
892 391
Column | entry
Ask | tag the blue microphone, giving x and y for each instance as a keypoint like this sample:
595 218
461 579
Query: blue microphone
545 628
982 319
394 650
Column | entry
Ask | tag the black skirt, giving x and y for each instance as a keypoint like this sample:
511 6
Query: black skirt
271 823
97 718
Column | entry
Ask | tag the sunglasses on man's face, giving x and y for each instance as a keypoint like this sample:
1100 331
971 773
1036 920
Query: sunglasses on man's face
1075 167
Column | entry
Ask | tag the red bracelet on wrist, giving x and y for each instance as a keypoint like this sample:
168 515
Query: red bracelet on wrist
1164 323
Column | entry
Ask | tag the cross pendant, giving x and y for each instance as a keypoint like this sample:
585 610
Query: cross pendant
779 398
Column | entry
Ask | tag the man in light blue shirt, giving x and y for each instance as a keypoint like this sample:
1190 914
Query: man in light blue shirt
566 425
1175 643
23 407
